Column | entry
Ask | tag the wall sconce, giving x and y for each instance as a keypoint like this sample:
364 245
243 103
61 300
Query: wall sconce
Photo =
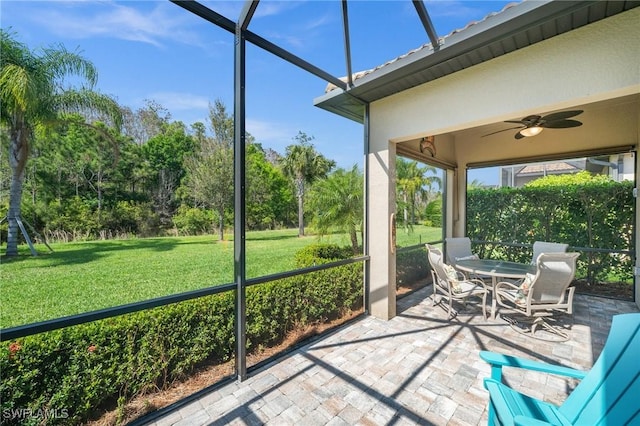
428 144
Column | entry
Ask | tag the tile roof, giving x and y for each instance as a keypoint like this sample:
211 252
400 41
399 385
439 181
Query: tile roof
426 46
559 166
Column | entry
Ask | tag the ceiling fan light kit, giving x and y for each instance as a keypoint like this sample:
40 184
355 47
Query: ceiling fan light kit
531 131
533 125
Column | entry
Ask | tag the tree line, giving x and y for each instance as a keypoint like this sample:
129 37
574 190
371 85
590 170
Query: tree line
81 166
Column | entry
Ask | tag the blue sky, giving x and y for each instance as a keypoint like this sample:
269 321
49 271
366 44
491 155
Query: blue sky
156 50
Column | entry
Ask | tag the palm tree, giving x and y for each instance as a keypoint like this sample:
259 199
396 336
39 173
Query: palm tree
475 184
33 95
337 203
414 187
304 165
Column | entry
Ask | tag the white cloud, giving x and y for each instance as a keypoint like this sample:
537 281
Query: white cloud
303 34
232 9
456 8
272 8
271 134
91 19
318 22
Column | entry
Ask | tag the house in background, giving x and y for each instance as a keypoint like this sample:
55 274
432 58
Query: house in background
618 167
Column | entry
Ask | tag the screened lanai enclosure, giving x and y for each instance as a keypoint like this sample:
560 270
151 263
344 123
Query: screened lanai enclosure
501 95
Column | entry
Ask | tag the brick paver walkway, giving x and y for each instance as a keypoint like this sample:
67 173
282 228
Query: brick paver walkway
417 369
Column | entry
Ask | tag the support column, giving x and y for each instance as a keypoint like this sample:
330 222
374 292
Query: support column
239 168
636 269
381 209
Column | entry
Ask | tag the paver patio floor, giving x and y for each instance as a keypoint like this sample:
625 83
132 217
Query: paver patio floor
419 368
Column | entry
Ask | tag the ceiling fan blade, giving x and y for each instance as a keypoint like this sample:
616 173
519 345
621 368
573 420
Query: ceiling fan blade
504 130
529 120
562 124
561 115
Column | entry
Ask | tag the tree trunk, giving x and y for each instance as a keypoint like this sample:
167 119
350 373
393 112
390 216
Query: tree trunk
18 154
14 212
300 187
300 217
405 213
413 209
221 224
354 240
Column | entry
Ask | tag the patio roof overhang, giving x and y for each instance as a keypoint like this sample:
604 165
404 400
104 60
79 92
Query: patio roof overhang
516 27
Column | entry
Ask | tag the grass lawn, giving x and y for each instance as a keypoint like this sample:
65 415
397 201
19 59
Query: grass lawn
417 234
85 276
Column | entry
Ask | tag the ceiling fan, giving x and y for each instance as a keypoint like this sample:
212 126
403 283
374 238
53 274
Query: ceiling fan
534 124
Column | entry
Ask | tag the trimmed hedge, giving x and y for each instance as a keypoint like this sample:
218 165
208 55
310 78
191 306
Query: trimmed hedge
80 368
315 254
411 265
67 374
580 210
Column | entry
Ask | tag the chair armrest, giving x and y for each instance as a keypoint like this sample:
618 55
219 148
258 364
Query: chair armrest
498 361
528 421
511 286
479 282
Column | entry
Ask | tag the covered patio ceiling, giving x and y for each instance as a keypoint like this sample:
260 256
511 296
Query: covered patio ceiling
517 26
616 120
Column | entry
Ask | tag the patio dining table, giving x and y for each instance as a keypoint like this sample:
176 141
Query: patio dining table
495 269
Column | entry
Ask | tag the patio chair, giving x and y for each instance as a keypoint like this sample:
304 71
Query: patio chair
546 247
458 248
453 284
606 395
540 297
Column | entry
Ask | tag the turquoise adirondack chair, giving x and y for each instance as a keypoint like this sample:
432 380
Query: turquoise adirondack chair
608 394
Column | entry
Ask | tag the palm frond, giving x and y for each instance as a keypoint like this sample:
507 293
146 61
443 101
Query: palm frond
80 101
61 63
14 87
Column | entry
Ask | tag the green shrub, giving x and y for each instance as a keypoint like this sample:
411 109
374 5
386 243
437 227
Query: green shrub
130 217
411 265
193 221
580 210
316 254
78 369
76 217
433 213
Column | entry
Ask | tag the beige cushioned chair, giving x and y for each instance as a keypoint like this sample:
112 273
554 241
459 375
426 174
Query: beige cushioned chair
546 247
458 248
539 298
452 284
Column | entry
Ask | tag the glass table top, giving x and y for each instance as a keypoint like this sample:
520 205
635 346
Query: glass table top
502 268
